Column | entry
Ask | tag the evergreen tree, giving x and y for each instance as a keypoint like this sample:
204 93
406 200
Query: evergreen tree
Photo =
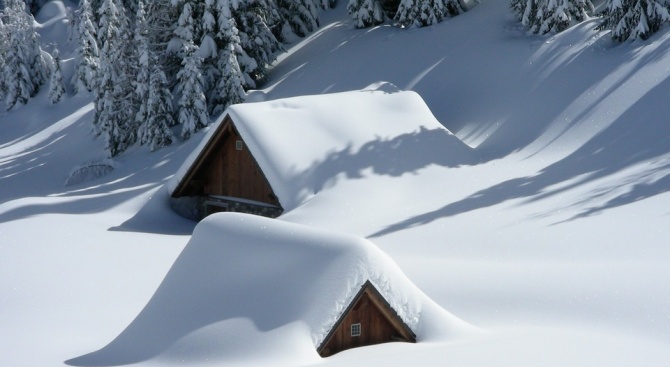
557 15
208 48
192 102
161 18
56 86
301 17
17 81
25 69
129 65
526 12
247 65
142 81
632 19
255 20
155 131
4 45
366 13
87 55
421 13
229 88
106 119
544 16
115 99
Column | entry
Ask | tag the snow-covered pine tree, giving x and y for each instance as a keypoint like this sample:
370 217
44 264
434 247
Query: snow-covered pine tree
301 17
544 16
4 45
255 20
162 19
557 15
141 83
128 65
17 82
192 102
421 13
632 19
106 119
229 88
247 64
366 13
39 67
408 13
526 11
155 130
115 104
56 86
517 7
208 48
87 56
25 68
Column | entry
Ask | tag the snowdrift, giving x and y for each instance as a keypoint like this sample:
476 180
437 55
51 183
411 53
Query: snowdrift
246 283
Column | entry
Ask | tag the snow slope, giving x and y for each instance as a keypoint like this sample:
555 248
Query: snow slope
555 244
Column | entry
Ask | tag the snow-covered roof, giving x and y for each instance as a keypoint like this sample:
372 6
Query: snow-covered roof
303 144
290 282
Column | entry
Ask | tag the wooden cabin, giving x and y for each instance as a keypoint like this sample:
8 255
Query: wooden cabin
226 177
268 157
368 320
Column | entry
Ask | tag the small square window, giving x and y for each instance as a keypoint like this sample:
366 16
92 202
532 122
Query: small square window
238 145
356 329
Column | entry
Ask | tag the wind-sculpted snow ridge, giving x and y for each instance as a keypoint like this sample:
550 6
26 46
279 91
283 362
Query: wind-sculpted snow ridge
288 282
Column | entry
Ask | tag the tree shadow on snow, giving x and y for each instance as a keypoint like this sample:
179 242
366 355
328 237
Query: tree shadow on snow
404 154
641 135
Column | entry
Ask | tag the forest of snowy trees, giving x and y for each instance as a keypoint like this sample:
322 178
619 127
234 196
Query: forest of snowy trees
163 67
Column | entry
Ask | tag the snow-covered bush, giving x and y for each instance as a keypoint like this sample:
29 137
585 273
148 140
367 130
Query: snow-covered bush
88 172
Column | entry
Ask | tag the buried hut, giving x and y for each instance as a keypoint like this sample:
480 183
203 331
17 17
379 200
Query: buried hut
269 157
247 287
369 319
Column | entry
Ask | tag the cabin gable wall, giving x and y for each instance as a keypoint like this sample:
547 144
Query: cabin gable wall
375 328
233 172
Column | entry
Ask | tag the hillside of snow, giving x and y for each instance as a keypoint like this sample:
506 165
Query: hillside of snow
549 237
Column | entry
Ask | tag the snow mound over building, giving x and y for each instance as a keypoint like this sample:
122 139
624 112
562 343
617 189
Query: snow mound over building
252 287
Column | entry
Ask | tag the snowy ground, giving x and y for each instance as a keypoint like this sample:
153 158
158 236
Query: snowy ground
555 245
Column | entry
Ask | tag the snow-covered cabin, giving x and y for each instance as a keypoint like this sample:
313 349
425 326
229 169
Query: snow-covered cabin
369 319
272 156
247 283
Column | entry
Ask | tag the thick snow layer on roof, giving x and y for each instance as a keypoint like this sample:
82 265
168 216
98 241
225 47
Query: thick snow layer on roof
285 282
304 144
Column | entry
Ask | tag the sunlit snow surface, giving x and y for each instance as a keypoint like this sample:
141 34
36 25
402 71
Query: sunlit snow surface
553 243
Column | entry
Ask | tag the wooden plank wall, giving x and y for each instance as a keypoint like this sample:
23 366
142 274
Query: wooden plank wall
235 172
375 328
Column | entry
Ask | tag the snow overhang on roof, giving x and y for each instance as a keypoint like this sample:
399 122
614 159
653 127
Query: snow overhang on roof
301 143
